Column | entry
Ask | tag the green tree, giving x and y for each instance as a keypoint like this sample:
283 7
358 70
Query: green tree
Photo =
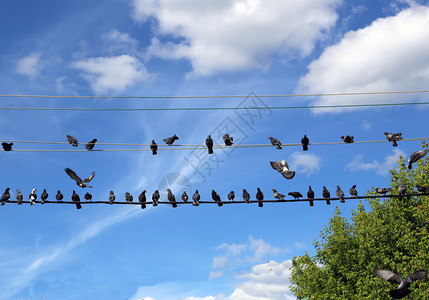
392 235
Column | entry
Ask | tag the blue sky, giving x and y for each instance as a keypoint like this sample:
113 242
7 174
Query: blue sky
189 48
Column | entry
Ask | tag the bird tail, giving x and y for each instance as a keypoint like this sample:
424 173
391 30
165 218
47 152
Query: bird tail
395 144
328 202
399 293
210 150
311 203
78 206
219 204
342 200
174 204
143 206
154 152
304 147
410 165
279 147
261 204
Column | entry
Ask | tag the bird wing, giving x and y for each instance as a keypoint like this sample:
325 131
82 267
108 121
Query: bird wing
73 175
89 178
421 274
276 166
388 275
288 174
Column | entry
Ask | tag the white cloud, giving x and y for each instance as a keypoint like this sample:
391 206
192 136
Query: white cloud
230 35
391 54
304 163
119 37
30 65
115 73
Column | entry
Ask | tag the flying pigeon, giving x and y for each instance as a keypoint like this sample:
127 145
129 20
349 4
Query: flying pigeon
75 198
393 137
59 196
5 197
403 289
43 196
142 199
128 197
278 195
88 197
209 144
340 194
246 196
185 197
326 195
310 195
112 197
296 195
348 139
402 190
216 198
283 168
80 182
383 191
90 145
19 197
276 142
416 156
423 189
7 146
227 139
196 198
304 142
353 191
171 198
72 140
33 197
154 147
155 198
260 197
231 196
169 141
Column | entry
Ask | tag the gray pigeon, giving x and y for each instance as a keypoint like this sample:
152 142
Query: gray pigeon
348 139
416 156
353 191
43 196
171 198
209 144
33 197
295 195
246 196
155 198
423 189
169 141
75 198
7 146
154 147
383 191
19 197
80 182
112 197
88 197
393 137
403 289
72 140
259 197
278 195
326 195
231 196
283 168
276 142
185 197
340 194
90 145
196 198
304 142
59 196
310 195
128 197
5 197
227 139
402 190
216 198
142 199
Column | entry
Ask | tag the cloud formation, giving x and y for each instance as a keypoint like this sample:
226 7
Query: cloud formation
305 163
30 65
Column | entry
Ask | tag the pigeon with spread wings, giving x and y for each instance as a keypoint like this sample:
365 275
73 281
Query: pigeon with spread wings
283 168
403 289
80 182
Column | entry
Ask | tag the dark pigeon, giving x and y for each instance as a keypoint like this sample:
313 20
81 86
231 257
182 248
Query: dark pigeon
278 195
88 197
276 142
169 141
7 146
295 195
403 289
310 195
72 140
231 196
33 197
155 197
340 194
393 137
142 199
348 139
112 197
209 144
423 189
196 198
246 196
304 142
128 197
19 197
383 191
353 191
416 156
171 198
5 197
283 168
43 196
75 198
154 147
59 196
326 195
216 198
402 190
90 145
185 197
227 139
259 197
80 182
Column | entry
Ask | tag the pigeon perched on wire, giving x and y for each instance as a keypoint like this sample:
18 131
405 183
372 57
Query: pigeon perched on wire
278 195
304 142
128 197
383 191
72 140
283 168
185 197
75 198
7 146
171 198
402 190
310 195
196 198
353 191
5 197
393 137
112 197
423 189
43 196
275 142
340 194
209 144
295 195
227 139
231 196
169 141
154 147
59 196
80 182
326 195
259 197
90 145
216 198
348 139
155 198
33 197
19 197
403 289
416 156
246 196
142 199
88 197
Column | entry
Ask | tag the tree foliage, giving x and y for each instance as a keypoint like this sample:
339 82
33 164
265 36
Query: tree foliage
392 235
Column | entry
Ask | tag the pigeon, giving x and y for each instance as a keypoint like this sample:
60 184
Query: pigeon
402 190
383 191
88 197
340 194
112 197
155 198
185 197
295 195
72 140
128 197
326 195
90 145
246 196
209 144
403 289
348 139
19 197
227 139
231 196
142 199
304 142
423 189
75 198
169 141
7 146
5 197
283 168
416 156
353 191
259 197
276 142
196 198
310 195
33 197
278 195
171 198
59 196
154 147
43 196
393 137
216 198
80 182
